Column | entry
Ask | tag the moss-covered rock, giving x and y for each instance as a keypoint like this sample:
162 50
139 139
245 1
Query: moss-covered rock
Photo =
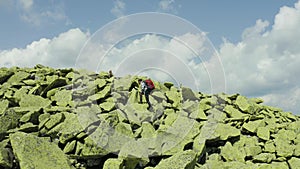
6 156
113 164
181 160
232 153
35 152
294 163
263 133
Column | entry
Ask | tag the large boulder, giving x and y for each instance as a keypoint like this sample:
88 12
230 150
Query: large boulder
181 160
27 146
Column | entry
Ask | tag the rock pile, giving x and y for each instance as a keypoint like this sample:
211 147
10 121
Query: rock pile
66 118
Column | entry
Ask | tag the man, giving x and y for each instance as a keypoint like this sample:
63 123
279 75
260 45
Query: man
146 87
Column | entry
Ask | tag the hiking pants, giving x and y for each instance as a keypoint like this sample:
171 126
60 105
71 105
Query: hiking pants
147 93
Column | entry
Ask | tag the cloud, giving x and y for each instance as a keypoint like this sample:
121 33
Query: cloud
26 4
37 15
118 8
266 62
256 30
61 51
167 6
163 58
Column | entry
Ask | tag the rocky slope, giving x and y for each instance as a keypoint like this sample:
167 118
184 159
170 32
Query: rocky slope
66 118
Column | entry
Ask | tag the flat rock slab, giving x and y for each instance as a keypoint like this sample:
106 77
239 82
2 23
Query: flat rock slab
181 160
35 152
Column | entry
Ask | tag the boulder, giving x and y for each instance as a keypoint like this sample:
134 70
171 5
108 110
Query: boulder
6 157
245 105
134 153
284 148
234 113
107 106
113 163
263 133
213 131
68 129
4 75
168 84
54 120
9 121
34 101
54 83
148 130
31 116
252 126
249 145
17 77
279 165
70 147
264 158
294 163
3 106
173 97
269 147
181 160
27 146
232 153
62 97
188 94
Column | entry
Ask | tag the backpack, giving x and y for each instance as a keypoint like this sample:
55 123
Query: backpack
150 84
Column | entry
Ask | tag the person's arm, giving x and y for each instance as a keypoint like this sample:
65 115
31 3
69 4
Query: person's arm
143 87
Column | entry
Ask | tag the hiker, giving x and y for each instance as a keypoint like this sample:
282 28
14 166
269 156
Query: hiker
146 87
110 74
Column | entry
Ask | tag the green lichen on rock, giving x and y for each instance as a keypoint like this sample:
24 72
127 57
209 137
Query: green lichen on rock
181 160
35 152
3 106
6 158
34 101
263 133
232 153
113 164
252 126
294 163
69 118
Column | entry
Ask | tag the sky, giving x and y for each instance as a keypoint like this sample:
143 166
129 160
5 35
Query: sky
245 47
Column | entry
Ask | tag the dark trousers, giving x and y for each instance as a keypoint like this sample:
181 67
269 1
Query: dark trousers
147 93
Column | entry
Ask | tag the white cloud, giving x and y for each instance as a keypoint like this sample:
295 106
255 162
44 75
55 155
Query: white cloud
167 6
118 9
61 51
256 30
26 4
165 59
36 15
266 62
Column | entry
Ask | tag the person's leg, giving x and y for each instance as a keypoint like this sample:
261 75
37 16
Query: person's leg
141 99
147 97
